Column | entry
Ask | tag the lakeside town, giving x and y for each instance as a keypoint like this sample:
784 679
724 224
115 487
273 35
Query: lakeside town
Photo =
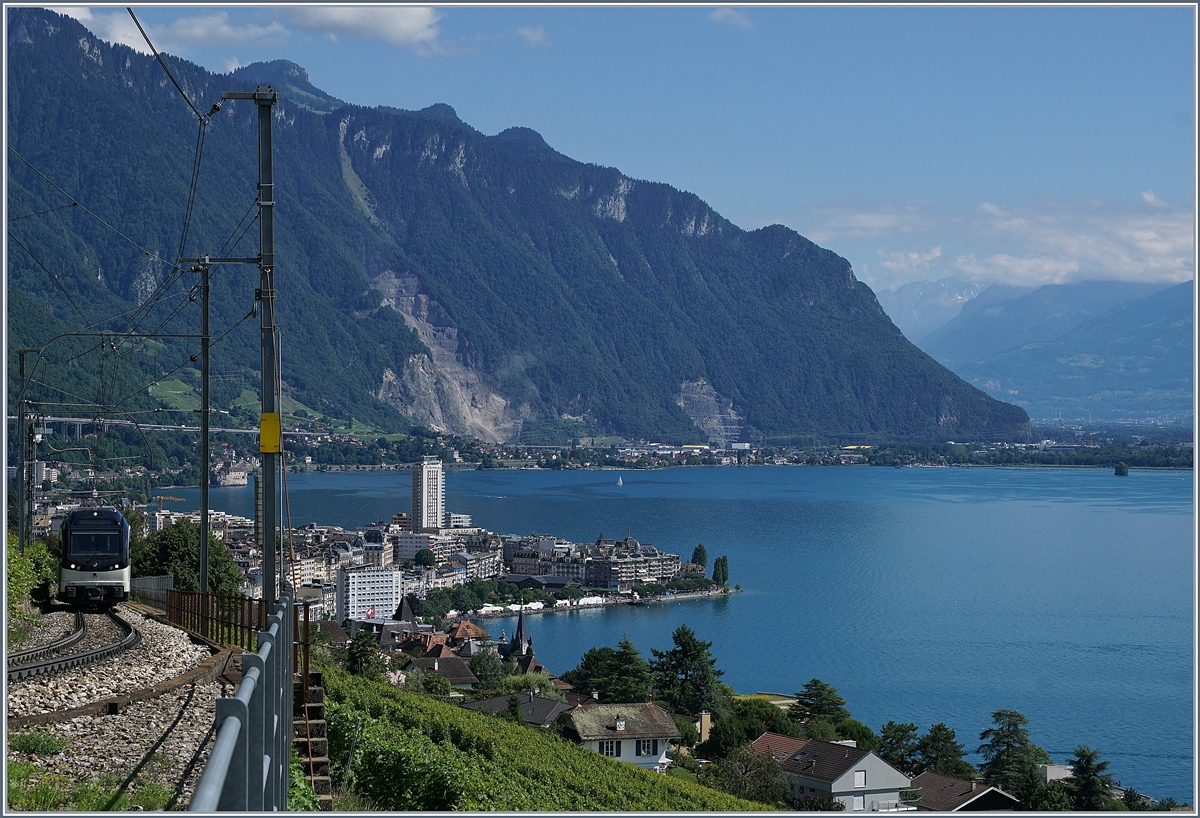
366 573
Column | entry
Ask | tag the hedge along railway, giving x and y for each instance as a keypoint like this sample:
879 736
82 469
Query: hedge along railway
50 658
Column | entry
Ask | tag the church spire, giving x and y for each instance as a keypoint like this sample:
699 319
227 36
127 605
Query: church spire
522 644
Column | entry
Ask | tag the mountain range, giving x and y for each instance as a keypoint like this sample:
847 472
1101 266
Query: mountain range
1093 350
430 273
1132 362
1002 318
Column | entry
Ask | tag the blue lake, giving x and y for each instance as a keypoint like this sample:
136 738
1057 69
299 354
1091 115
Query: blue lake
923 595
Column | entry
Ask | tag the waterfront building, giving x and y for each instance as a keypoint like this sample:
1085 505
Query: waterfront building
428 494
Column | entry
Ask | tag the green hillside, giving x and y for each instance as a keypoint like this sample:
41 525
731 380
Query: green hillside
572 290
417 753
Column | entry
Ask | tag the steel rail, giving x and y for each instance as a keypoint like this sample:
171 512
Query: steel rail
24 657
132 637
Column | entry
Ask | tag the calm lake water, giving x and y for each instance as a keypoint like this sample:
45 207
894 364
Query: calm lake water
923 595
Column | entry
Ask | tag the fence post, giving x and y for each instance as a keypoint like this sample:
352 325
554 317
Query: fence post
233 794
256 717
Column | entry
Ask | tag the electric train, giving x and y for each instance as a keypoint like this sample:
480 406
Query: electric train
94 572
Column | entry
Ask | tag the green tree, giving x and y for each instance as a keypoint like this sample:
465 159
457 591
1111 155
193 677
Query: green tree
820 729
361 656
862 735
746 720
750 775
629 678
1133 799
513 711
686 679
700 556
618 675
175 550
1089 782
425 558
1121 470
1007 751
938 751
21 576
488 669
1027 787
818 701
1052 796
436 685
720 572
899 746
689 736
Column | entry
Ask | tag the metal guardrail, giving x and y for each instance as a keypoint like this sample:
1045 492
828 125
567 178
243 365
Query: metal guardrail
152 590
248 767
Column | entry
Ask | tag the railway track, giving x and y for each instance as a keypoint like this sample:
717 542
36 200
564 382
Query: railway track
49 658
24 657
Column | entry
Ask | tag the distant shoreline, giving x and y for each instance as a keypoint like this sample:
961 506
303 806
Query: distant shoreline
459 467
609 602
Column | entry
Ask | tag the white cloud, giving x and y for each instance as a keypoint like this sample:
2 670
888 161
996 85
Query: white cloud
1149 198
1017 270
826 224
732 17
231 64
113 27
534 36
217 28
909 261
80 13
119 27
405 27
1027 242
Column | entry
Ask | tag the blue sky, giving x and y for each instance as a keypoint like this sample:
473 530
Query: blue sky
1026 145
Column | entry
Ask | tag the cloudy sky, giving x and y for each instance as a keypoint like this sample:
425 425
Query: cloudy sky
1025 145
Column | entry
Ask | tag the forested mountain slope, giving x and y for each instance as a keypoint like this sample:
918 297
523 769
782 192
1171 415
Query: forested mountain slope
428 271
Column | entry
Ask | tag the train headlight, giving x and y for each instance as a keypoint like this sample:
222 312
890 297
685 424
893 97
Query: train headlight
115 567
71 565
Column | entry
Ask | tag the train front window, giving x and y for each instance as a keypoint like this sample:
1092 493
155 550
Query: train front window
95 544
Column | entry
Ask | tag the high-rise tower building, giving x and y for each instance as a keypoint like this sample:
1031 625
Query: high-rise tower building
428 495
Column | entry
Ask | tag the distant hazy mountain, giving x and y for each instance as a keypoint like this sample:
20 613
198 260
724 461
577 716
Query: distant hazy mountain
428 271
1135 361
920 307
996 322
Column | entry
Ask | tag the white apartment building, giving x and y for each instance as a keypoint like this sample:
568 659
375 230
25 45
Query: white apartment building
364 593
407 545
428 495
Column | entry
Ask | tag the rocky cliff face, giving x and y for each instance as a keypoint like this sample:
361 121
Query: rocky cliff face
712 414
444 392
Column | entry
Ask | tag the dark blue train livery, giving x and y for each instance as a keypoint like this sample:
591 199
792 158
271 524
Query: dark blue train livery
95 558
